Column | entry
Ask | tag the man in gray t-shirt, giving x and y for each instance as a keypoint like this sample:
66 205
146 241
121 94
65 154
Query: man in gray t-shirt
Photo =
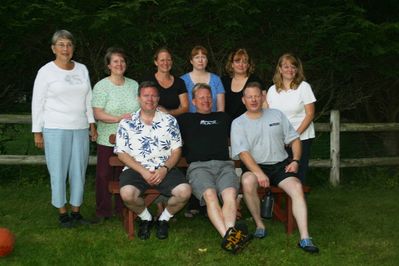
258 139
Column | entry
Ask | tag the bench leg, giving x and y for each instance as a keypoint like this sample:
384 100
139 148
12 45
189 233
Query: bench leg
284 214
128 222
129 217
278 210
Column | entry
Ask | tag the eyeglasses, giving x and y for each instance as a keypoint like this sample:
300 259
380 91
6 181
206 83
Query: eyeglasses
64 45
242 61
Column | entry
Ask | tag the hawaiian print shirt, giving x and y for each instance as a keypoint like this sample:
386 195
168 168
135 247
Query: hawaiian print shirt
150 145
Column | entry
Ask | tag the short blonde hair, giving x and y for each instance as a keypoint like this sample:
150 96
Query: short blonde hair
198 86
299 76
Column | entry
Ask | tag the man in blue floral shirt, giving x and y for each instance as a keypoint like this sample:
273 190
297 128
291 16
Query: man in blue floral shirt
149 144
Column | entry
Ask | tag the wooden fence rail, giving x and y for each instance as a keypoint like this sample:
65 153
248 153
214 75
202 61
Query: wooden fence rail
335 163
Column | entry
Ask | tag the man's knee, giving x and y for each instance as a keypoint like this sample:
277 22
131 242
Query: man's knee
249 182
293 187
229 194
210 195
182 191
129 193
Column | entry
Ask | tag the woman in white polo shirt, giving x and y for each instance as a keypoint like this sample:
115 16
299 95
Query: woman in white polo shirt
61 119
294 97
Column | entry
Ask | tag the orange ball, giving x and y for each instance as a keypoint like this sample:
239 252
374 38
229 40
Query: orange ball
7 240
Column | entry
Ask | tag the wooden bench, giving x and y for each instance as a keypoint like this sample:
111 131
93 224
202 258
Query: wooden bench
128 215
282 210
113 187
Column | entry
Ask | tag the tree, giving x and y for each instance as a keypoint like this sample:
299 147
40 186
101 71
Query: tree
347 49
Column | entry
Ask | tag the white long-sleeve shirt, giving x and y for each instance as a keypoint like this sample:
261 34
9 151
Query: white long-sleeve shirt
61 98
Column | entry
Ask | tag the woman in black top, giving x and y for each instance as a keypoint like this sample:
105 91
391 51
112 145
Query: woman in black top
240 68
172 90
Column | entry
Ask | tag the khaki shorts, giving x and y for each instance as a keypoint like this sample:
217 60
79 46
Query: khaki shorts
214 174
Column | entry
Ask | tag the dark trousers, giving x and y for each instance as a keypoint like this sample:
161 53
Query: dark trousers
305 156
105 173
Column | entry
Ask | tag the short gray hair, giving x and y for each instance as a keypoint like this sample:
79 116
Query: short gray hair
62 34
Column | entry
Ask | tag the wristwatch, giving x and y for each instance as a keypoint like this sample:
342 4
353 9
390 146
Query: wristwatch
167 168
297 161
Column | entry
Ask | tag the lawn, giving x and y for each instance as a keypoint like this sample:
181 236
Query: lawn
354 224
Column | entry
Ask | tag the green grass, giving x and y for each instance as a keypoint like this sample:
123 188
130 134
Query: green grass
352 225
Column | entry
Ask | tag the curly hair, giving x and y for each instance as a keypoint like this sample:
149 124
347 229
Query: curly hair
240 53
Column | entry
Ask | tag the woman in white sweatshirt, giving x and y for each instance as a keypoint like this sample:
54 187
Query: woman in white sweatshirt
62 119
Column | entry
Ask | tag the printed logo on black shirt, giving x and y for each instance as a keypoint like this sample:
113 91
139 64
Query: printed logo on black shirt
208 122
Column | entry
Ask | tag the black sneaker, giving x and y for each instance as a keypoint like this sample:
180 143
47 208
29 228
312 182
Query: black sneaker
162 229
78 219
236 238
308 246
65 220
144 229
245 237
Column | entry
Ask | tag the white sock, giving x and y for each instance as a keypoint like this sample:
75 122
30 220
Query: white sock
145 215
165 216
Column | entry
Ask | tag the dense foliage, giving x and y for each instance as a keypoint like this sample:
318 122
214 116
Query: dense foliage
349 48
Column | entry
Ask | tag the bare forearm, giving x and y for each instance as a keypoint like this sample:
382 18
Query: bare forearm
101 115
296 147
178 111
249 162
309 110
130 162
183 107
252 165
305 124
220 102
173 158
93 132
265 104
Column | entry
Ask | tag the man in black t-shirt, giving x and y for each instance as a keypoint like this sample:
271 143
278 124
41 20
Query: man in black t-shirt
211 172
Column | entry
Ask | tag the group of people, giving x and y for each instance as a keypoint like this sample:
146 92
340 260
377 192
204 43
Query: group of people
165 117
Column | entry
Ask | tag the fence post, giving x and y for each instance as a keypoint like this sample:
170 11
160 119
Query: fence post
334 147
